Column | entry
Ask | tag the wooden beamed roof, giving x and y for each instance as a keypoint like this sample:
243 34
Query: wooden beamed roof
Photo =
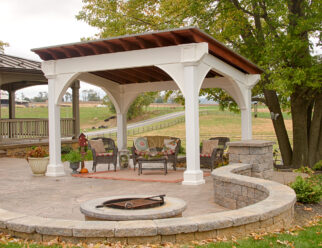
145 41
140 75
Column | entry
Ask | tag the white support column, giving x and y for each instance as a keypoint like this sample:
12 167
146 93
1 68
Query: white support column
193 175
121 131
55 167
246 115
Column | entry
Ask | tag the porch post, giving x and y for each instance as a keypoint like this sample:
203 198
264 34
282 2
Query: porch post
246 115
121 131
12 104
75 103
193 175
55 167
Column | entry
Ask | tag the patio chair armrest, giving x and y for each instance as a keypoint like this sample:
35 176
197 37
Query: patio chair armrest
93 153
115 151
215 152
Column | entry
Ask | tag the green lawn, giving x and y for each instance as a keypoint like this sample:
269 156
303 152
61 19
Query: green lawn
308 238
89 116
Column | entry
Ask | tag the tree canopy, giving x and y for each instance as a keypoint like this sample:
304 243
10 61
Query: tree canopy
277 35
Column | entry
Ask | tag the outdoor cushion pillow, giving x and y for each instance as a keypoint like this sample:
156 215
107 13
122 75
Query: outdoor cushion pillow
141 144
208 146
97 145
169 144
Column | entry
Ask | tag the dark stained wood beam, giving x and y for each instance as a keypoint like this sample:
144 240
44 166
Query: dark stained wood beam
176 38
117 75
96 49
161 41
65 51
53 54
139 76
128 45
79 50
143 70
114 47
143 43
160 73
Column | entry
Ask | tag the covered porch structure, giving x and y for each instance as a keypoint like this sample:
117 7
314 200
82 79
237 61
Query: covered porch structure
18 73
186 59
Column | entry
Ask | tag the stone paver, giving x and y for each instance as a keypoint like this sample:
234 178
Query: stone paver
61 197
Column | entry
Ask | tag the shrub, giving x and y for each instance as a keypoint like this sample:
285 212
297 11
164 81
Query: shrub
307 191
304 169
318 166
73 156
66 149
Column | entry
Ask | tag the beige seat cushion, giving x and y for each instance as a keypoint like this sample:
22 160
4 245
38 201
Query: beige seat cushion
97 145
208 146
156 141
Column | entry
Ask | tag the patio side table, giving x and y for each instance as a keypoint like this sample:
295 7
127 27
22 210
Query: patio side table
152 160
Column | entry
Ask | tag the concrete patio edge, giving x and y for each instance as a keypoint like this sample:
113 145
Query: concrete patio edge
274 212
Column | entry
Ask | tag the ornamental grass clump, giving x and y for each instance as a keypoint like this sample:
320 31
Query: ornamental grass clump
308 190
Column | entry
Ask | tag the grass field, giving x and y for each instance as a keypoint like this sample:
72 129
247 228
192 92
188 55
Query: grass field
219 123
89 116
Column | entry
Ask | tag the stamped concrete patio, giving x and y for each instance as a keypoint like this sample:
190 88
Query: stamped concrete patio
61 197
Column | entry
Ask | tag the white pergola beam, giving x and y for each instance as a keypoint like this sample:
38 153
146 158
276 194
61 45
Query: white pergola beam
137 58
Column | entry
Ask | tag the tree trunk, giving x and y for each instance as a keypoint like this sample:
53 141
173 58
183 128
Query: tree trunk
315 139
299 109
279 126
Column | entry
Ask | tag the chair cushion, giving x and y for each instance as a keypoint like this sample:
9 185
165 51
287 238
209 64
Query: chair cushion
97 145
141 144
156 141
206 155
105 154
169 145
208 146
141 153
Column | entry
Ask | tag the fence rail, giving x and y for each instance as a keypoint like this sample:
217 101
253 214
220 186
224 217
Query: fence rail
33 128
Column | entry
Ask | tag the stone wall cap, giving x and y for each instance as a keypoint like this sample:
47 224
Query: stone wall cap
251 143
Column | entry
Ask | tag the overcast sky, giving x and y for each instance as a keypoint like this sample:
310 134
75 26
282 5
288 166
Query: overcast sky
27 24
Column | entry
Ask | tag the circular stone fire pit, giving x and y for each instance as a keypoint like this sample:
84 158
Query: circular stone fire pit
93 209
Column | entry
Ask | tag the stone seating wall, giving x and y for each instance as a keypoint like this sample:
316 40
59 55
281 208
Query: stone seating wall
259 206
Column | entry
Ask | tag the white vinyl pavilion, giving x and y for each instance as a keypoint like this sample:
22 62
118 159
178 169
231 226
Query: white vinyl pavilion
186 59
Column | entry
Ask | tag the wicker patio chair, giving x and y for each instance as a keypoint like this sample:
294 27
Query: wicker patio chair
109 157
217 154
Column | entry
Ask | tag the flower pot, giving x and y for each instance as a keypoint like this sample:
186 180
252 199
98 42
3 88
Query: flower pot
74 166
38 165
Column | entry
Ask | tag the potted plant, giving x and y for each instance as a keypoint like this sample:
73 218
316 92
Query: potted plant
74 157
38 160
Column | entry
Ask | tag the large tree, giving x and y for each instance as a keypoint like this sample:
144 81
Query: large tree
275 34
2 45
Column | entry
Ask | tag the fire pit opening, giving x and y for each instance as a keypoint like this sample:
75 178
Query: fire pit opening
133 207
134 203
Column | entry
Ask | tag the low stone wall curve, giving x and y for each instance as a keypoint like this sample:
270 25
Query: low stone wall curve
274 210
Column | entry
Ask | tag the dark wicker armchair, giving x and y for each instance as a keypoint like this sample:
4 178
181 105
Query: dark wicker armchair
217 154
109 157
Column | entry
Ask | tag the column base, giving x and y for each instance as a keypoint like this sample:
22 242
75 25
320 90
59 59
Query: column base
193 178
55 170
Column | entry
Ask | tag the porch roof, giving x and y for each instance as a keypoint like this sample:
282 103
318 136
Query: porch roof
145 41
18 73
